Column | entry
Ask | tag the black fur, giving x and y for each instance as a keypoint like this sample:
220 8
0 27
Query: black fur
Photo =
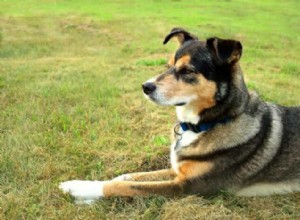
179 31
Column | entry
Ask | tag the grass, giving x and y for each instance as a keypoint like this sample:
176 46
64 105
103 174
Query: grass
72 107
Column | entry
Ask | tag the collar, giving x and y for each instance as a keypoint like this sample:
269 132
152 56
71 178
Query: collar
200 127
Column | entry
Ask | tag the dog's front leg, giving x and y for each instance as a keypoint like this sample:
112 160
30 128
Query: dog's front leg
130 188
166 174
89 191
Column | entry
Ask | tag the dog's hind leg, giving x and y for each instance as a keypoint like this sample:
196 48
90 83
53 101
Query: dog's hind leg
166 174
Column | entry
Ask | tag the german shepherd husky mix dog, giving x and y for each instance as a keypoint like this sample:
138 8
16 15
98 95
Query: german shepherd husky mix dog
225 139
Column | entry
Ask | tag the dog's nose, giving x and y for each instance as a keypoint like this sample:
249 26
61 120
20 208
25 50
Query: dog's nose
148 88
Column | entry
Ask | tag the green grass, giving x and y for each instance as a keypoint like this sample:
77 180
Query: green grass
72 107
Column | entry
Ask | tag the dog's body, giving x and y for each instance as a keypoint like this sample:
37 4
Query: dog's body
226 138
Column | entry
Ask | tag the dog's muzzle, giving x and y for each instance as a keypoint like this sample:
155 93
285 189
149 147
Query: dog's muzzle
148 88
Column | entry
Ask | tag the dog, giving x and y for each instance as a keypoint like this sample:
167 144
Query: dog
226 137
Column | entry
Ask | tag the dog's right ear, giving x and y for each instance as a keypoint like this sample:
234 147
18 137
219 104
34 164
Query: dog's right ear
181 35
225 51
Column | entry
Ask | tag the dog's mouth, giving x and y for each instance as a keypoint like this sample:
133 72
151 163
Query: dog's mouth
160 98
164 103
180 104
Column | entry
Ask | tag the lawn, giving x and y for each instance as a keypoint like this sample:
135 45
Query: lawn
72 107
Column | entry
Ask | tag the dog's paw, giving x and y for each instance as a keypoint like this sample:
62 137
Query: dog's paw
84 192
124 177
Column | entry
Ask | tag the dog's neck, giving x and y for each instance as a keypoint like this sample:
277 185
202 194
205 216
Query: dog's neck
230 107
191 121
187 114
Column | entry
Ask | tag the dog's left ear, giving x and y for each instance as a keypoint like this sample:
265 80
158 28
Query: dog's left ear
181 35
225 51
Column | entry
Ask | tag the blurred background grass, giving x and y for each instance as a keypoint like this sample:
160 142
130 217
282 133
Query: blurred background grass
72 107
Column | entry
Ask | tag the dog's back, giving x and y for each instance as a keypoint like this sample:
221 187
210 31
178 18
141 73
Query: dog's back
280 155
285 165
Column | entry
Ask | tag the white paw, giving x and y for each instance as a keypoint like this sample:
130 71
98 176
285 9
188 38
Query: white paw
85 192
124 177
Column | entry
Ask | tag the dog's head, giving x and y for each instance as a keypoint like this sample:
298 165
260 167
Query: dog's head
198 74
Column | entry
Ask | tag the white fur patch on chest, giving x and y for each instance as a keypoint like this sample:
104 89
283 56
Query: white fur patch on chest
187 138
186 114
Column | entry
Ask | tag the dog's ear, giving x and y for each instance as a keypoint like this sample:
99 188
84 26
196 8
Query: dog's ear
181 35
225 51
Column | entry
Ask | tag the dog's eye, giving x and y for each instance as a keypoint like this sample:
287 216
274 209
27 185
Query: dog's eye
189 78
188 70
184 71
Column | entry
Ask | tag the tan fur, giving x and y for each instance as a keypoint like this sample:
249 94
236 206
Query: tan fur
129 188
153 175
179 39
192 169
204 92
171 61
184 60
188 170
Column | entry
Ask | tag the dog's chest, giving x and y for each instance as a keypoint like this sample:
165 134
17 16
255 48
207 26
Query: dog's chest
184 140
